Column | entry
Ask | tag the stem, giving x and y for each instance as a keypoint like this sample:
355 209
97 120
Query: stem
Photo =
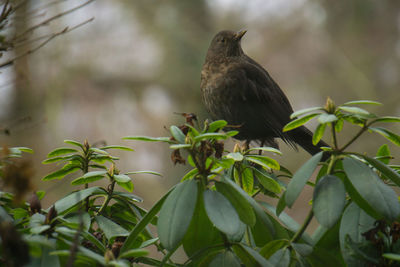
310 215
363 129
108 198
202 170
300 232
331 164
86 170
200 252
247 236
169 254
334 138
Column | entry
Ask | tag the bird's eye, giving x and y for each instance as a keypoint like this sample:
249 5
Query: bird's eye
223 40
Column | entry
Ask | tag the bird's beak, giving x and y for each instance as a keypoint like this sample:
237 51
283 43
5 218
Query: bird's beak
240 34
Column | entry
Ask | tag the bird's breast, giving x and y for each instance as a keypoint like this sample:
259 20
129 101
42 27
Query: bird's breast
216 93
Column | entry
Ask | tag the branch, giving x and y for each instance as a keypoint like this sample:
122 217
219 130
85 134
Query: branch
51 37
47 21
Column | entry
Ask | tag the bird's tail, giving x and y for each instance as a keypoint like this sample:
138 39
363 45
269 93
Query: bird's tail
303 137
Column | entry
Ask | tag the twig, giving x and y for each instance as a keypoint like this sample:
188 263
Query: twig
363 129
51 37
47 21
334 138
75 245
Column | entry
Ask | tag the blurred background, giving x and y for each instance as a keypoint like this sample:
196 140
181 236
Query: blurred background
126 72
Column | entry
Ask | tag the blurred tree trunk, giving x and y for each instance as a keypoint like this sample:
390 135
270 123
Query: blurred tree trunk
22 97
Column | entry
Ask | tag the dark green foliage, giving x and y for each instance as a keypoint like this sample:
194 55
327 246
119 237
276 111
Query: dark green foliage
213 212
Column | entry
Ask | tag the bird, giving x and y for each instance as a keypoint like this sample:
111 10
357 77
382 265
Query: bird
237 89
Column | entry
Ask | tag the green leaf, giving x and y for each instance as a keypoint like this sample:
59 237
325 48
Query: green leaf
130 241
288 221
128 186
190 174
211 136
326 118
89 177
74 143
65 158
225 259
176 214
365 102
264 161
148 139
87 253
144 172
265 148
232 133
178 146
262 218
281 204
238 236
192 130
236 156
319 132
299 122
357 198
241 205
384 151
177 134
83 180
40 194
149 242
392 256
355 120
281 258
387 119
273 246
356 111
134 253
378 195
59 174
71 200
125 148
339 125
110 228
394 138
300 179
221 212
98 150
303 249
122 178
329 200
216 125
354 223
88 236
24 149
62 151
267 182
94 173
250 257
247 180
201 232
128 196
384 169
304 111
101 159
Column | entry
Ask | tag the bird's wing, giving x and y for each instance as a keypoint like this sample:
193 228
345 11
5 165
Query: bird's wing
260 99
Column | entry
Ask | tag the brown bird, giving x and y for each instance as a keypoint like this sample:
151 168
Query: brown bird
237 89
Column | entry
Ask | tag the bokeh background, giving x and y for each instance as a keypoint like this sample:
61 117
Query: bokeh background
138 62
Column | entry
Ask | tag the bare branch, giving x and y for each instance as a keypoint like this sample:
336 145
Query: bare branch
49 38
47 21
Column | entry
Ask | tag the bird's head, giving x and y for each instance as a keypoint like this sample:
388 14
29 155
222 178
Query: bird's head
226 44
